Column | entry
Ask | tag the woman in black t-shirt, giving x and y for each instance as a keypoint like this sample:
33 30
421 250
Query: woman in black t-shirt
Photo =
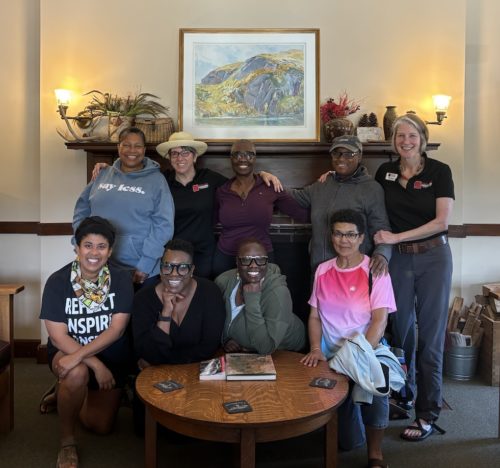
86 307
419 198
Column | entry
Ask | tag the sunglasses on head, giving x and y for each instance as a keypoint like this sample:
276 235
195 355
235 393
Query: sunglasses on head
260 260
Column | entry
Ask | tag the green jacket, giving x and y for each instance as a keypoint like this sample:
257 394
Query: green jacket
267 322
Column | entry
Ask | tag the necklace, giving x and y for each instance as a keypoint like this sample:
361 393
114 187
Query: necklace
419 169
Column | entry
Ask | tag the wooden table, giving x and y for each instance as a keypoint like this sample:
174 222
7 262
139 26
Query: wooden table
284 408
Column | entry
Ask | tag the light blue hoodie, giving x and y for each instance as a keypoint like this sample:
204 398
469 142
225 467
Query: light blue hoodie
140 207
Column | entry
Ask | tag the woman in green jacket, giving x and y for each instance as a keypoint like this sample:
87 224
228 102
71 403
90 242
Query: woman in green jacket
259 316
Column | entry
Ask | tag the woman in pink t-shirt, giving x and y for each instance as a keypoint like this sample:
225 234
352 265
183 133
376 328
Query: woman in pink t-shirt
345 303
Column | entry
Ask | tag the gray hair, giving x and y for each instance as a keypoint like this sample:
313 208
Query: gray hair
417 123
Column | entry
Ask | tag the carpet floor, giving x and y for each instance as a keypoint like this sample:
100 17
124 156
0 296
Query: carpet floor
471 439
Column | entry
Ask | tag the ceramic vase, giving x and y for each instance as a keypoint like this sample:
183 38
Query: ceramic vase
389 117
337 127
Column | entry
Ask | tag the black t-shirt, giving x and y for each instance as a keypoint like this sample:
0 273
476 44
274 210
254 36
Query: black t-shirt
415 205
60 304
194 206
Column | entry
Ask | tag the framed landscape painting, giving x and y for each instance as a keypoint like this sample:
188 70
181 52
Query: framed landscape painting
260 84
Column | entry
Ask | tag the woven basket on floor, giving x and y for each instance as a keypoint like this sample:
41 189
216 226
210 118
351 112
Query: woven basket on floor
156 130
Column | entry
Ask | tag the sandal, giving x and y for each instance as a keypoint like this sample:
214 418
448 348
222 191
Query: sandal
424 433
48 402
67 457
377 462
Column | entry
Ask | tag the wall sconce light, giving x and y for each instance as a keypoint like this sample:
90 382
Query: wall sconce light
441 104
63 98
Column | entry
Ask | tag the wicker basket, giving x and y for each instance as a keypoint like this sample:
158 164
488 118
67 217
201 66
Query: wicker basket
156 130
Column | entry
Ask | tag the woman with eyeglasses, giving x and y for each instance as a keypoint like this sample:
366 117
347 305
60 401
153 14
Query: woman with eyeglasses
134 196
180 319
344 304
347 186
259 316
245 206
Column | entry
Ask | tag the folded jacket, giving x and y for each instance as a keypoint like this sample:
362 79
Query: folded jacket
361 363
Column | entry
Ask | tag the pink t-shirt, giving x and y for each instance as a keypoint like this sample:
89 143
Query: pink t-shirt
341 297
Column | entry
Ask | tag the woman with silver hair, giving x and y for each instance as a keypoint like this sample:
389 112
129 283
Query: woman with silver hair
419 196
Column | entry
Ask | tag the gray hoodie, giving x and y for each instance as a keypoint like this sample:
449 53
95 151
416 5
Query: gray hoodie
140 207
359 192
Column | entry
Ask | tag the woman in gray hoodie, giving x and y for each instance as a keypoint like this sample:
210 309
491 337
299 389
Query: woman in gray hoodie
134 196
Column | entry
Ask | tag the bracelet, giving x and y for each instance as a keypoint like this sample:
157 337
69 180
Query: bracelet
161 318
315 349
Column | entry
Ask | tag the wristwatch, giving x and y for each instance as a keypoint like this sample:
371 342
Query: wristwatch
161 318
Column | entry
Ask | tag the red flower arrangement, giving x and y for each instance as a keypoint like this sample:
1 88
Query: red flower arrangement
340 109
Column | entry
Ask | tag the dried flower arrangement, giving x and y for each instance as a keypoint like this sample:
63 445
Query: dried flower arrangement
341 108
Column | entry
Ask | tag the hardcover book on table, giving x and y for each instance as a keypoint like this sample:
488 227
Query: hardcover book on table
244 366
213 369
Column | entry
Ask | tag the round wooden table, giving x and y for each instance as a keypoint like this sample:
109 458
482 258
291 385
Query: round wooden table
284 408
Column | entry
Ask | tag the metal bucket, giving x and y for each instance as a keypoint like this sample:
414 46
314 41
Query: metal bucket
460 362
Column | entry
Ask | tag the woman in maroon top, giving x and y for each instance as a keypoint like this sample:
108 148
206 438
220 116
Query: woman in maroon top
245 206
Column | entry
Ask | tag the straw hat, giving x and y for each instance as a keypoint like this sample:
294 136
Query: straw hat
181 139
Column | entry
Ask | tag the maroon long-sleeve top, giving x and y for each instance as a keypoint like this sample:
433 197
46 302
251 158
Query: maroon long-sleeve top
252 216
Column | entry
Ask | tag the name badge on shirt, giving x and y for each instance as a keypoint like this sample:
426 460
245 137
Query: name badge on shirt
391 176
198 187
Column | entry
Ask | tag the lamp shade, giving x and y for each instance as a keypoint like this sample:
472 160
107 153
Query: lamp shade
441 102
63 97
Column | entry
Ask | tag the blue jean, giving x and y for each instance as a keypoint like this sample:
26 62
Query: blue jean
352 419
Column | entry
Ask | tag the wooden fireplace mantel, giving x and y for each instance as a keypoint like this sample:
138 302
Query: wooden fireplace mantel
296 164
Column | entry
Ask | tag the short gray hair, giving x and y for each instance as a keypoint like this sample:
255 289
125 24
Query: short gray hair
417 123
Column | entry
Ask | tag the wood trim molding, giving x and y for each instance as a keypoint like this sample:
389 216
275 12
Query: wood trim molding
36 228
24 348
65 229
481 229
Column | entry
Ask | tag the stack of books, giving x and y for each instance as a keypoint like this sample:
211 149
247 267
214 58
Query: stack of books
238 366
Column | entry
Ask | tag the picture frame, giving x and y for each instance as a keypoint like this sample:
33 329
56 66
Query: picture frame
259 84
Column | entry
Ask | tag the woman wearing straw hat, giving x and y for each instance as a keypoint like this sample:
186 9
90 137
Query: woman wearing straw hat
193 190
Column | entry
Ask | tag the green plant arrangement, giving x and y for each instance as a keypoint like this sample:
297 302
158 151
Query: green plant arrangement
107 114
129 106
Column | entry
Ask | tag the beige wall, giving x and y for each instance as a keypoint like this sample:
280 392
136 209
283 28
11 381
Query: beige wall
20 155
385 52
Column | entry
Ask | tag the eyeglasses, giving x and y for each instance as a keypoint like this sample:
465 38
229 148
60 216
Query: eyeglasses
178 154
182 268
349 155
243 155
260 260
128 146
350 236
